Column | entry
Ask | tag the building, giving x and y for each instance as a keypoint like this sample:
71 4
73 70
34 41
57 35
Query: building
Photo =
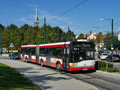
36 24
93 37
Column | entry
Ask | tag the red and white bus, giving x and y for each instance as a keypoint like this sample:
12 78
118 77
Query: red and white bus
69 56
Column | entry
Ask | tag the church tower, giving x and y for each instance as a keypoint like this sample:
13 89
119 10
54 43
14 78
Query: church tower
36 24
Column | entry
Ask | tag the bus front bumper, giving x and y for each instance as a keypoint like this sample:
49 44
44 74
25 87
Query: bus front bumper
81 68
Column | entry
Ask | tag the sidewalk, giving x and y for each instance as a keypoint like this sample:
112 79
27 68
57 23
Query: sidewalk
48 79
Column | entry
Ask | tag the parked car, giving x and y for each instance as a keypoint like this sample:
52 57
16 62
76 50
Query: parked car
103 56
14 55
114 58
99 53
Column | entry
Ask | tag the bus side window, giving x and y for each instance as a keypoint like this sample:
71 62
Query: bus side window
42 51
33 51
59 51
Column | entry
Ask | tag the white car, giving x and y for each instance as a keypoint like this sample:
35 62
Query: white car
103 56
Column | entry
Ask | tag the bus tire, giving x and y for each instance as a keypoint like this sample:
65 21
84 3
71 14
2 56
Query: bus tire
58 66
41 63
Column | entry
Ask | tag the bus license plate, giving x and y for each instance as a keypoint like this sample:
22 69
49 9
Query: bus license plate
85 69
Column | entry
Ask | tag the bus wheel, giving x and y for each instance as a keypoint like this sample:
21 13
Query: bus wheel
41 63
58 67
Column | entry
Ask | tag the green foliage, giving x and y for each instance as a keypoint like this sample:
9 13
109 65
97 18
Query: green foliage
102 67
11 27
109 40
1 27
99 37
103 64
81 36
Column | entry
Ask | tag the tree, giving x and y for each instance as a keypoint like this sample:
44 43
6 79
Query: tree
31 35
99 37
5 37
116 43
26 27
107 41
2 27
11 27
81 36
57 34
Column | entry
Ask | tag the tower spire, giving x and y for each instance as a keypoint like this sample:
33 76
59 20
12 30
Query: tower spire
36 18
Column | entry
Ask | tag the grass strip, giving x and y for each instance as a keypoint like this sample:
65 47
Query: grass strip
11 79
110 68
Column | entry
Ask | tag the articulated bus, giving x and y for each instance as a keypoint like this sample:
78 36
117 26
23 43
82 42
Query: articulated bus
68 56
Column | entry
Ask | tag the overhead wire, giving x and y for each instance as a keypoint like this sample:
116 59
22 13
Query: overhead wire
67 11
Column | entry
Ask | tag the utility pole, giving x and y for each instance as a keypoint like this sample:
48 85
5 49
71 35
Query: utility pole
44 30
107 41
0 43
69 34
112 43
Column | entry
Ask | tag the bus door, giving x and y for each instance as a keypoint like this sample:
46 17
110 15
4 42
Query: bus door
66 59
37 54
48 60
48 56
23 53
29 54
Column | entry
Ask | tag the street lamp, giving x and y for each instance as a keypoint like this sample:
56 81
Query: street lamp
111 32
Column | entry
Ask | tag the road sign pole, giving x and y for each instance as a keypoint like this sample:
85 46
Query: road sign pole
11 46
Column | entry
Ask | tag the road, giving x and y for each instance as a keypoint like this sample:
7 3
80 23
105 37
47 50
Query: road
99 79
103 81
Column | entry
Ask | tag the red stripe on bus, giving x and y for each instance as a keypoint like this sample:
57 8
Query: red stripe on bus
44 63
45 46
28 47
33 60
81 68
52 64
60 45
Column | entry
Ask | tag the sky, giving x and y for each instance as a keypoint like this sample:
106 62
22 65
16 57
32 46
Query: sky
82 19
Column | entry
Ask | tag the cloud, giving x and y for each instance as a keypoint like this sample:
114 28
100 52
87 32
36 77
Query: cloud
52 19
27 20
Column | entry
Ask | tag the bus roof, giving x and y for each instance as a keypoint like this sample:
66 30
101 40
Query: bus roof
28 46
59 44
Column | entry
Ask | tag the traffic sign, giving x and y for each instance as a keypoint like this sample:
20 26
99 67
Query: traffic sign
11 45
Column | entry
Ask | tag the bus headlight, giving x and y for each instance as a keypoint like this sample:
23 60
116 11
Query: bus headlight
73 64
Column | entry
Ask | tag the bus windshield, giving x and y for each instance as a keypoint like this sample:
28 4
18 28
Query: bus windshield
82 51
